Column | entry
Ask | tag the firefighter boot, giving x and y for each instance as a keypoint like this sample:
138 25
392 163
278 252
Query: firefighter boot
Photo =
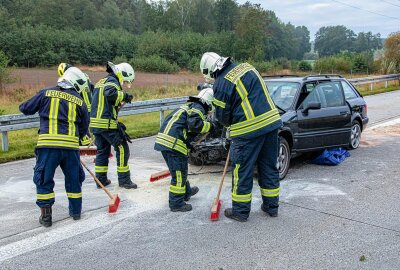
105 183
192 193
272 211
128 185
184 208
75 217
229 214
45 217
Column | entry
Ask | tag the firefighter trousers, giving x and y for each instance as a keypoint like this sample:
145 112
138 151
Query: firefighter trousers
104 140
262 152
179 188
47 161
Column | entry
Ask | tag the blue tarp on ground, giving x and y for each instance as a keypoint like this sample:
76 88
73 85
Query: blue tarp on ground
332 157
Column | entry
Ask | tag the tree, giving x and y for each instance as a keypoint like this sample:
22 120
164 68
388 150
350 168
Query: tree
4 74
226 13
392 48
331 40
250 41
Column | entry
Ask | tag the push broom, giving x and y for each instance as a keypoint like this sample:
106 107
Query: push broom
160 175
216 206
114 200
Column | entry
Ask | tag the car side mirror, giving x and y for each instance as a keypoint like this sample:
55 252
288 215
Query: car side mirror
311 106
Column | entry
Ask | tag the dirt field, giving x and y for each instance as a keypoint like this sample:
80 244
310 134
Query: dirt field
47 77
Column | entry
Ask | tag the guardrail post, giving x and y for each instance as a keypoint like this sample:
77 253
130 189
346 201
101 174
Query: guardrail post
386 84
4 141
371 86
161 117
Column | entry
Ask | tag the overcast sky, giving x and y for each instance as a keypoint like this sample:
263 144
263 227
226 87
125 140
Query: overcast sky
357 15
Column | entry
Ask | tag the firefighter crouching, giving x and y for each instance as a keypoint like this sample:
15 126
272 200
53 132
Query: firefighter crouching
242 102
86 95
63 121
106 101
173 142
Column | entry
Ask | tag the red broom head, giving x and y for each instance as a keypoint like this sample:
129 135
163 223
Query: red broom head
215 213
114 204
157 176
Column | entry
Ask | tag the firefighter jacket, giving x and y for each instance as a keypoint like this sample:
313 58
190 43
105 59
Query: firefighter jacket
242 102
173 135
107 96
87 96
63 117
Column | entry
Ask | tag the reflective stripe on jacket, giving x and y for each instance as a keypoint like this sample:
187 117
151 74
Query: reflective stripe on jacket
107 96
173 135
242 102
63 117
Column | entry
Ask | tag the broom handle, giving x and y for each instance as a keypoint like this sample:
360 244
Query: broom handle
223 175
97 180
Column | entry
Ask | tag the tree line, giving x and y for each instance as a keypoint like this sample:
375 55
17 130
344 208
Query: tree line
162 36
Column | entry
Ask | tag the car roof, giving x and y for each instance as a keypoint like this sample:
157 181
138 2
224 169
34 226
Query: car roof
293 78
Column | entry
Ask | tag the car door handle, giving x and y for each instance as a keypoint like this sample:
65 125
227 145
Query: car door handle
344 113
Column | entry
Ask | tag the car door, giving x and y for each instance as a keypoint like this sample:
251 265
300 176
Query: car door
327 126
337 114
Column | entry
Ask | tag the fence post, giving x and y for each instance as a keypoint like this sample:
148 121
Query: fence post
4 141
161 117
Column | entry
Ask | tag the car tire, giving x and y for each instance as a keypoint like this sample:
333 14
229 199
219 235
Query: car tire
283 162
355 135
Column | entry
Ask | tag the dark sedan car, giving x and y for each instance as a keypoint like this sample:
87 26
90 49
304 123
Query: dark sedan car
318 111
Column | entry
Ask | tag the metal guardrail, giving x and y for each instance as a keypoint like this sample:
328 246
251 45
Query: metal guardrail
20 121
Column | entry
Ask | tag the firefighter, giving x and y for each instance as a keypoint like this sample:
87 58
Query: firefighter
107 98
243 104
63 121
173 141
86 95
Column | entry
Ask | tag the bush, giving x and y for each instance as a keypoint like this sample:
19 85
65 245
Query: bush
120 59
333 64
304 66
4 73
262 67
154 63
194 64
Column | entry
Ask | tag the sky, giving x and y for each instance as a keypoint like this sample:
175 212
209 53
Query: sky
377 16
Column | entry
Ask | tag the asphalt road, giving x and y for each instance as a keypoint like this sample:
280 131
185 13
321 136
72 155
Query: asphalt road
344 217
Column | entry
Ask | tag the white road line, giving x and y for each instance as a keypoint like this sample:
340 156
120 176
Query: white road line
62 231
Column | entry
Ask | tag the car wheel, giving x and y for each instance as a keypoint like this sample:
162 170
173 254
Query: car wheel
355 135
283 158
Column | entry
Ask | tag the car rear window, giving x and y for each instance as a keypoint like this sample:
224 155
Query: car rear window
349 93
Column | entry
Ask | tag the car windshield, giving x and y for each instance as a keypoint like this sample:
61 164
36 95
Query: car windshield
283 93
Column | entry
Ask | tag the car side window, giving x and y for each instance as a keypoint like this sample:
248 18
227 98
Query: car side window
317 95
349 93
333 94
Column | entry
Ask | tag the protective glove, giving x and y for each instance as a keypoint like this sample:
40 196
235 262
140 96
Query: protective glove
128 98
228 133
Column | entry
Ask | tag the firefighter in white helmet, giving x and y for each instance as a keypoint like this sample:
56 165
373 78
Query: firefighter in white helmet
173 141
243 104
108 95
86 94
